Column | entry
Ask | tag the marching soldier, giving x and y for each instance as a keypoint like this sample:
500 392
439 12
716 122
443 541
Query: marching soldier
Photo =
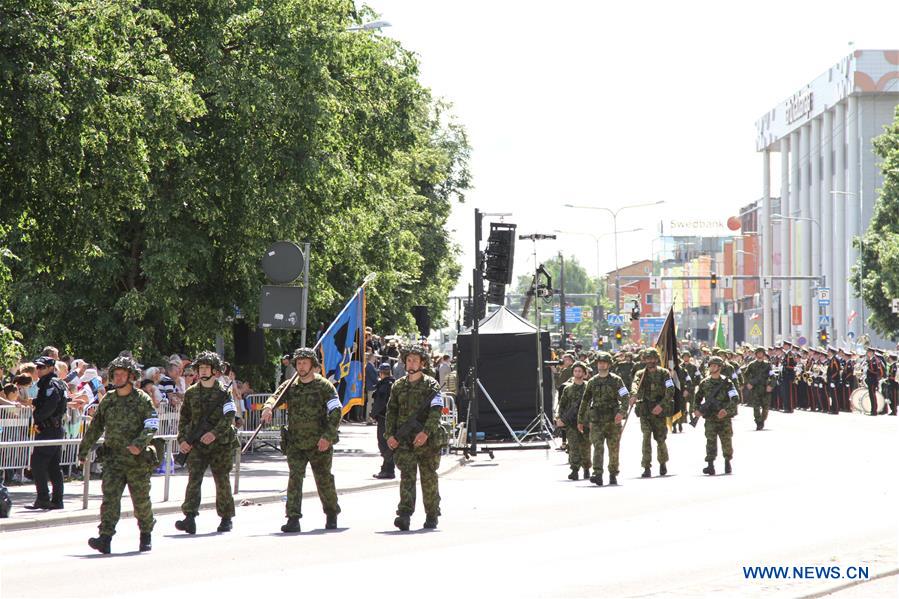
690 377
415 434
759 382
313 416
206 435
128 422
716 399
569 403
624 368
604 405
892 391
654 395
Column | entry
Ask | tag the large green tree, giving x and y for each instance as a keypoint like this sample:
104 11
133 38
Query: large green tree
876 274
204 131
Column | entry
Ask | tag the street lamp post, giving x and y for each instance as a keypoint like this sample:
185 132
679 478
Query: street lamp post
809 328
614 214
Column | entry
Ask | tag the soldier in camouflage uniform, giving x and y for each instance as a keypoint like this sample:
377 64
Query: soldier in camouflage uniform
690 377
604 405
313 415
760 383
414 433
128 422
570 401
716 401
624 368
206 434
654 395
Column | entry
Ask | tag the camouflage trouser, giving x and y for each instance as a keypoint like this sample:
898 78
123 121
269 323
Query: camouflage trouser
411 461
220 460
321 471
116 475
578 449
654 427
609 433
760 404
715 428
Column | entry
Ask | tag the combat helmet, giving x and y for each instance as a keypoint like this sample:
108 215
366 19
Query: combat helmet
581 365
604 356
209 358
651 352
124 363
306 352
418 351
716 360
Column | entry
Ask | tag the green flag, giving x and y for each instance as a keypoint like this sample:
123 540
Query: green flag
720 339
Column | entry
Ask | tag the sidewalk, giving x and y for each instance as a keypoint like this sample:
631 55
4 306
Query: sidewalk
263 479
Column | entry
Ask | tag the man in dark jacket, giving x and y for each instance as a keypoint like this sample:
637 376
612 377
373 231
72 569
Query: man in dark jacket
379 412
49 409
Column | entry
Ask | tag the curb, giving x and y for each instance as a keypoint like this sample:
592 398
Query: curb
12 526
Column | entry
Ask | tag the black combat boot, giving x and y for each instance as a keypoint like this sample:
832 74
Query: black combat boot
646 473
188 524
710 469
402 522
39 504
431 522
573 475
663 470
146 542
727 468
613 480
225 525
586 473
101 543
330 521
597 479
758 426
293 524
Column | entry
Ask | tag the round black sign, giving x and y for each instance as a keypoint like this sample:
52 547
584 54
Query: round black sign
283 262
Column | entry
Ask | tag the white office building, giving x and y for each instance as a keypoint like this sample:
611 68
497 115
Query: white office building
829 181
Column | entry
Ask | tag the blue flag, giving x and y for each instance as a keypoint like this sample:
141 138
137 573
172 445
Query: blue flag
342 352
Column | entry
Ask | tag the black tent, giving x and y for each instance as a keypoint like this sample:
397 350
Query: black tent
508 371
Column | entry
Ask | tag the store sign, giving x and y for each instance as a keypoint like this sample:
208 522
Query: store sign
799 106
696 227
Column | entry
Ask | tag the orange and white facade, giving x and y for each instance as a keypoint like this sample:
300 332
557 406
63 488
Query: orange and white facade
829 177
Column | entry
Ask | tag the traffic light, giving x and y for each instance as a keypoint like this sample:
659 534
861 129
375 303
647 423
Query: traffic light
500 253
822 336
713 280
618 335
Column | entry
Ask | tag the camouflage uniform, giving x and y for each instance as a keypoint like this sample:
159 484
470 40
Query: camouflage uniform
213 410
313 413
625 370
724 392
690 377
604 397
124 420
653 386
760 375
578 443
407 400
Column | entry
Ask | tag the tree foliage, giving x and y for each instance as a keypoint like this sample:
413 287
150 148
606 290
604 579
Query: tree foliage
155 149
879 253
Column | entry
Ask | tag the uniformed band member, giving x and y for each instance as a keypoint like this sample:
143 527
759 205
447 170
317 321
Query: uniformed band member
604 405
788 378
716 399
873 374
415 434
313 415
128 422
570 402
654 395
206 434
834 379
48 410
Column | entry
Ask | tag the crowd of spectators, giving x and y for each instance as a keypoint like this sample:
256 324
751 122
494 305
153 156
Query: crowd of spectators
86 381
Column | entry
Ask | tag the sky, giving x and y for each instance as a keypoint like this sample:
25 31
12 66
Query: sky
619 103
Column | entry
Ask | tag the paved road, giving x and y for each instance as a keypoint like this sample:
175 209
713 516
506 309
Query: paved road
812 490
